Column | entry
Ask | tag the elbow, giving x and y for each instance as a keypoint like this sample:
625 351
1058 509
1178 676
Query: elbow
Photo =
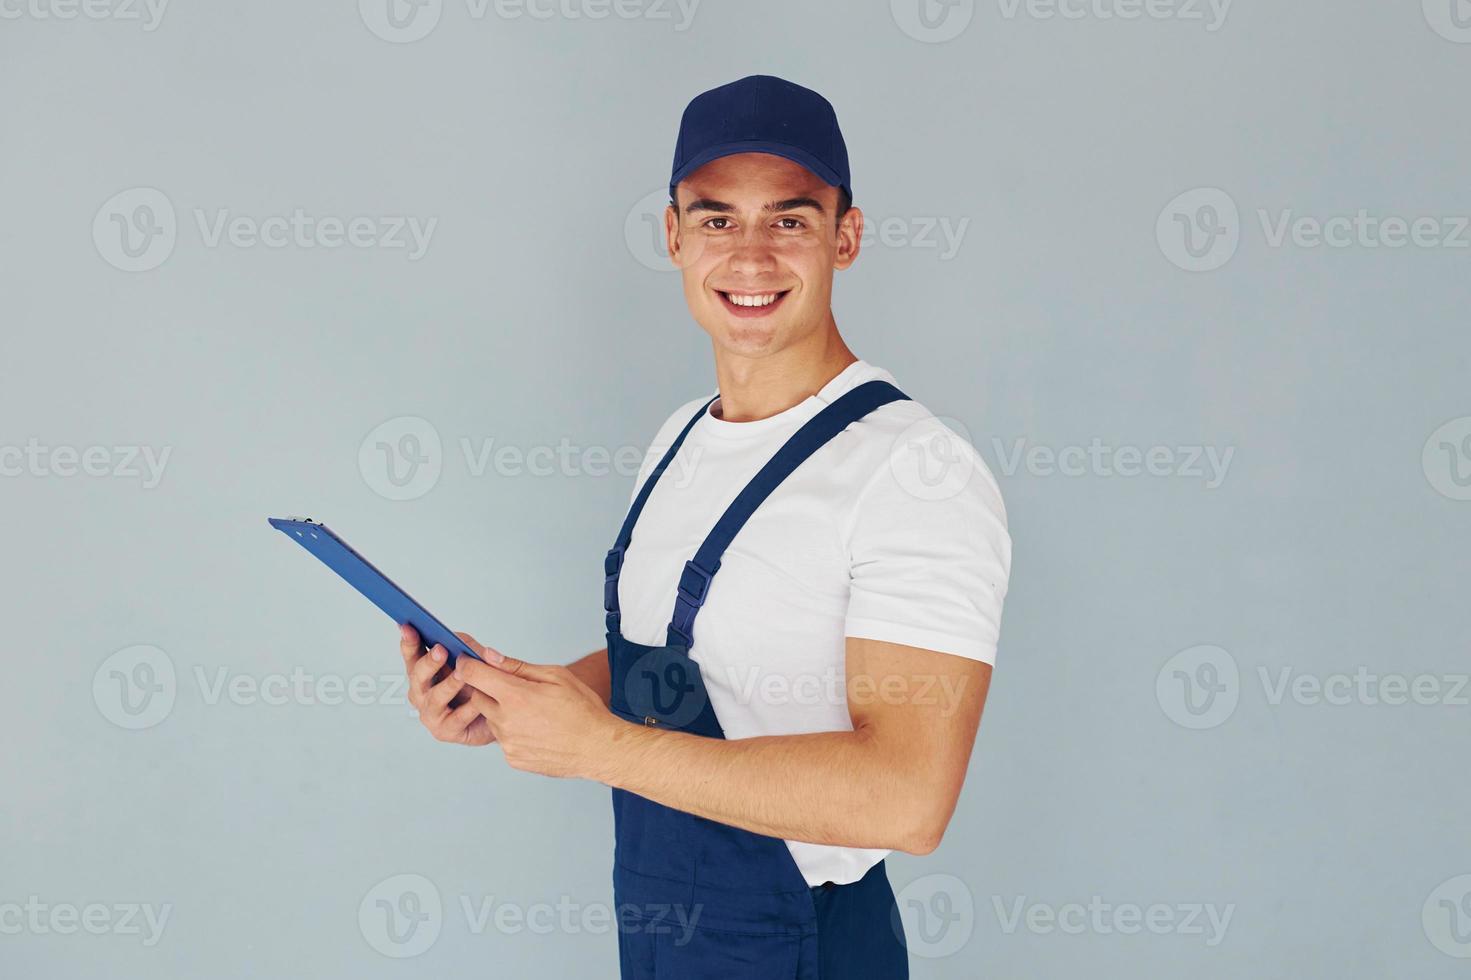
921 825
922 837
915 804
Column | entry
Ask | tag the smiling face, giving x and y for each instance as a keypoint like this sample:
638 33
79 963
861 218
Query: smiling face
757 238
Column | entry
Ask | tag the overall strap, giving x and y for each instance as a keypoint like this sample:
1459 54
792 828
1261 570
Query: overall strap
694 581
613 561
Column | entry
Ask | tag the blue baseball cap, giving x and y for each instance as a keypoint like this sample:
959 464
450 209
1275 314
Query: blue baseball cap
762 114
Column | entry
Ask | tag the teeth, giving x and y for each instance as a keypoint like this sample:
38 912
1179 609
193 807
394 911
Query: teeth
761 299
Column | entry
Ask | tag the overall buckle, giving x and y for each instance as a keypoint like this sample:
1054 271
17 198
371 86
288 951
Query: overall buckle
694 583
694 588
613 560
612 565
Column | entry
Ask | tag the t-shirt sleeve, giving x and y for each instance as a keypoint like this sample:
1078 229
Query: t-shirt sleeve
929 548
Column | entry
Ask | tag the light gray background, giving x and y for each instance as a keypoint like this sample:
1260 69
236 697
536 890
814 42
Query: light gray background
1061 319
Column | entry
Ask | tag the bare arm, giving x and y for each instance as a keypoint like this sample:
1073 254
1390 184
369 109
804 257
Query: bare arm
892 782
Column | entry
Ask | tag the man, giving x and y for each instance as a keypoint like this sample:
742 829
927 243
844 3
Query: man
802 615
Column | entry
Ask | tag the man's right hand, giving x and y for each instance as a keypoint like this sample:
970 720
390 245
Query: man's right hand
445 705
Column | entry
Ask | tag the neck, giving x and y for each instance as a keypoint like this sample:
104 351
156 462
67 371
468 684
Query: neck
753 388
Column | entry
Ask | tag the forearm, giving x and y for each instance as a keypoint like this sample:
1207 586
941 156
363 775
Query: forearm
843 788
592 670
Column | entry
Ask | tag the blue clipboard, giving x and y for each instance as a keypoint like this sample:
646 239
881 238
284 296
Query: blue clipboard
358 572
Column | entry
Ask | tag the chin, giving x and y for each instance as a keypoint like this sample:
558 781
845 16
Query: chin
752 342
746 338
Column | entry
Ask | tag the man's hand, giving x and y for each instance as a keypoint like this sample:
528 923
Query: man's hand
545 718
450 711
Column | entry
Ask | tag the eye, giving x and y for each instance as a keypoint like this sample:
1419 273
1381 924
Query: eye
790 224
716 224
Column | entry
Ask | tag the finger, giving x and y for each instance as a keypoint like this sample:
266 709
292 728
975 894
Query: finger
484 703
472 643
409 645
437 699
488 654
421 674
540 673
487 707
490 680
454 725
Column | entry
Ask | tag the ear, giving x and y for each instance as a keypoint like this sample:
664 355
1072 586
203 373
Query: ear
850 238
671 235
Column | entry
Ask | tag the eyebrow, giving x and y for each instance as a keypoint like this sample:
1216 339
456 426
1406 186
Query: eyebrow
790 204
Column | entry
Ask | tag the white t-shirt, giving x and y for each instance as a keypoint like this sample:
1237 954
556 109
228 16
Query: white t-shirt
894 530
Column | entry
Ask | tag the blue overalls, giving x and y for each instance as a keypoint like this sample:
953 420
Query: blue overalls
697 899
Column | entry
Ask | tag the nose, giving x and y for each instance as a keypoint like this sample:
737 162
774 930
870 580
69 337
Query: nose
752 254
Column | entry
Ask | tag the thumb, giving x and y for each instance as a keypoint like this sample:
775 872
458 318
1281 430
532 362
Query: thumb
482 651
518 668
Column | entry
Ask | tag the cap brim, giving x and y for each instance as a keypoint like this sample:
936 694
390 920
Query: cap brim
793 153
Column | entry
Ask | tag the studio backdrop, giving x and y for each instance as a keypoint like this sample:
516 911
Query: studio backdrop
1191 275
